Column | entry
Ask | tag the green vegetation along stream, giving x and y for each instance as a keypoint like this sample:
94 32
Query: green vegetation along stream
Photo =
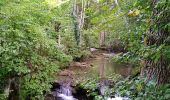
98 66
46 42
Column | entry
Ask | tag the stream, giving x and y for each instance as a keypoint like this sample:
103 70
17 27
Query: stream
99 66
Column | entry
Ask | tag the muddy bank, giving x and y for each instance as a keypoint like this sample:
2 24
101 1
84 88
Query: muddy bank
98 65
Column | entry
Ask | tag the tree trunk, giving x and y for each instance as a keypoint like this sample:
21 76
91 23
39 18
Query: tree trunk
15 86
157 71
58 36
78 15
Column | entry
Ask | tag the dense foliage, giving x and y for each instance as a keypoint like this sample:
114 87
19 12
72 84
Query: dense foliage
138 89
29 54
39 37
140 30
134 88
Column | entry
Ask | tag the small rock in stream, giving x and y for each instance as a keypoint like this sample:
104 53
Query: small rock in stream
66 73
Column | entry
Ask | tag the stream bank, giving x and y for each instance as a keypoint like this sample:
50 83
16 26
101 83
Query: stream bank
99 66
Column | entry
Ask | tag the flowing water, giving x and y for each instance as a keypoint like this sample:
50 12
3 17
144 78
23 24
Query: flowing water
102 67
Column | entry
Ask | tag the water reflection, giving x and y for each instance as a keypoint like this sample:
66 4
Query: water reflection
103 67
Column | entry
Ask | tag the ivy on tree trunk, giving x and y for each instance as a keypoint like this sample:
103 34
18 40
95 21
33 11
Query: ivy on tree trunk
157 70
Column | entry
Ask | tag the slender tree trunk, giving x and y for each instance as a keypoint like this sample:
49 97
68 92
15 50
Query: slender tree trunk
59 40
15 86
82 17
57 29
8 87
75 22
78 19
